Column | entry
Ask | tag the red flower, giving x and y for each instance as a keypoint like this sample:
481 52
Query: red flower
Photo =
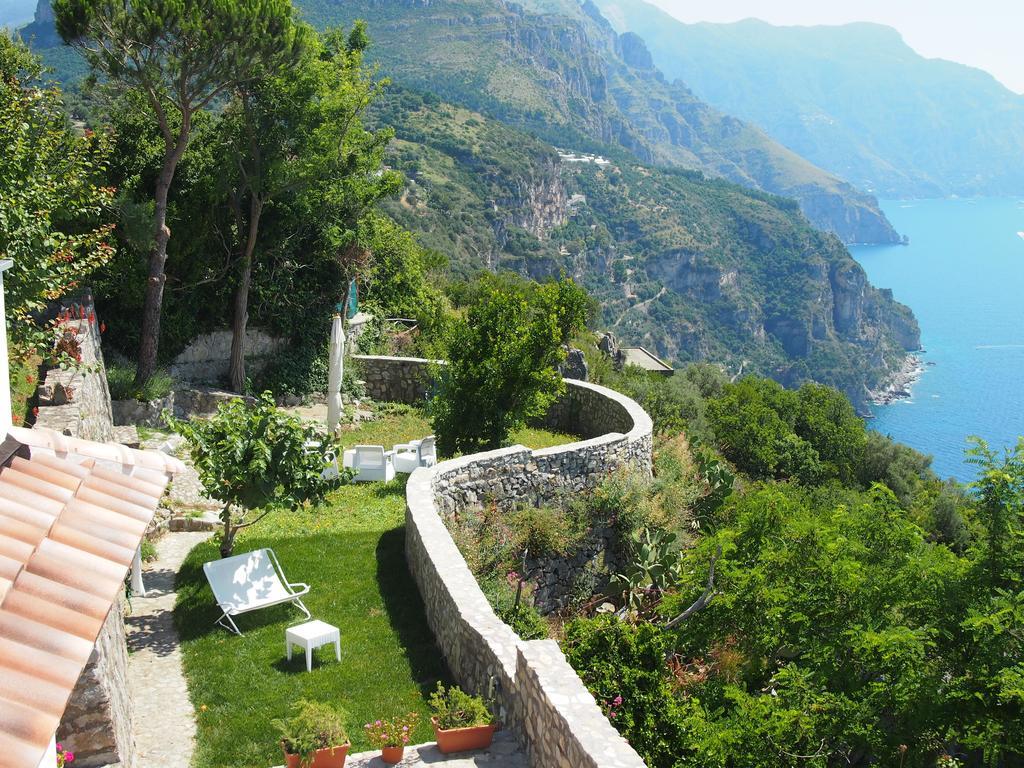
35 411
92 318
103 327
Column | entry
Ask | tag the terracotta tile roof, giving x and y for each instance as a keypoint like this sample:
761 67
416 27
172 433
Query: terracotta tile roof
72 513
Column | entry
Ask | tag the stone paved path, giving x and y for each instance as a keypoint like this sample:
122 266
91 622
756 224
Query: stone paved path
504 753
164 724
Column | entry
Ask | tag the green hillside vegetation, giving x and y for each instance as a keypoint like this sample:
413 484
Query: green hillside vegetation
567 77
695 269
790 589
854 99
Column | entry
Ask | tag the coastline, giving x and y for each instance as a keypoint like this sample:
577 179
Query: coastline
900 384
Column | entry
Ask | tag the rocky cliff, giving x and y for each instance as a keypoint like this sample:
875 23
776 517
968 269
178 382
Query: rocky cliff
570 79
693 268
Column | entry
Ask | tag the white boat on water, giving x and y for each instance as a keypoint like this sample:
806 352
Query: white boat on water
1020 235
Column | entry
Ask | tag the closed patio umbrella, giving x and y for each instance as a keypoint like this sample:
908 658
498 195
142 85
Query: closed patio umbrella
334 374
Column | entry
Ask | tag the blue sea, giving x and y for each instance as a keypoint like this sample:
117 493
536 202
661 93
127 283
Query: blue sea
963 276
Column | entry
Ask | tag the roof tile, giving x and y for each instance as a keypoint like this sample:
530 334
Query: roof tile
72 514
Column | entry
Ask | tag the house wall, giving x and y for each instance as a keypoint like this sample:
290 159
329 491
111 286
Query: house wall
97 723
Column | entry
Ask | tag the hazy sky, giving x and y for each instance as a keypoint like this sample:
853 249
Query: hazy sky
988 34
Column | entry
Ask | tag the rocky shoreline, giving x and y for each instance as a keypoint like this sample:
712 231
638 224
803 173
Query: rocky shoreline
900 384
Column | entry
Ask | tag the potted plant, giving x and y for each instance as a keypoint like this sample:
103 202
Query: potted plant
461 722
314 736
391 736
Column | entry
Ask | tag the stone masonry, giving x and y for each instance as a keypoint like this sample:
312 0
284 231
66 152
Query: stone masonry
77 402
97 723
396 379
182 403
206 359
536 692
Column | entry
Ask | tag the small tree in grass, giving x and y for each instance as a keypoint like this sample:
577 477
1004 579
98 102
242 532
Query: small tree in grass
503 357
254 459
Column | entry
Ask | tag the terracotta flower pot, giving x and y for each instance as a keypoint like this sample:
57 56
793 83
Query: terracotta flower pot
392 755
463 739
329 757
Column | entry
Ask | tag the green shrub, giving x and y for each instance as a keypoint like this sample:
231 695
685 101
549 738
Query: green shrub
148 548
545 530
524 619
625 501
454 708
313 726
297 370
121 380
502 362
624 667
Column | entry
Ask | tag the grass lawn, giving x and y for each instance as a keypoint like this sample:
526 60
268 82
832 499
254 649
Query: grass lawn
351 552
409 423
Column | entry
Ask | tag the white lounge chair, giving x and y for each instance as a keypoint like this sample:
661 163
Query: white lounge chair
372 464
417 453
248 582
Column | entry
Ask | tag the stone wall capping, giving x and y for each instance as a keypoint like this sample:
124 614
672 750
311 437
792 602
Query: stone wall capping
560 450
536 692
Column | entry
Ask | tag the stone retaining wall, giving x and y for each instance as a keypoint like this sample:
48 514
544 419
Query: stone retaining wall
535 690
207 358
395 379
77 402
97 722
182 403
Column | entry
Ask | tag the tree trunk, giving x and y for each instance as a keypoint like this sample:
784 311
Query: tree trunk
227 538
240 321
149 337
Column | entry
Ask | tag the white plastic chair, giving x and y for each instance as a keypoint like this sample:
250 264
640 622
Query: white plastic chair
248 582
417 453
372 464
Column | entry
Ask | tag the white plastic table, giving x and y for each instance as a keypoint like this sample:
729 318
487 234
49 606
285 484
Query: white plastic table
311 636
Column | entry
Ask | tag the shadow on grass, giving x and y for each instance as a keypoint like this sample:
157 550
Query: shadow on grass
406 613
391 488
322 656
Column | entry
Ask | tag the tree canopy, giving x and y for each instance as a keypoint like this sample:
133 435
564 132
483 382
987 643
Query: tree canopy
502 360
55 207
179 56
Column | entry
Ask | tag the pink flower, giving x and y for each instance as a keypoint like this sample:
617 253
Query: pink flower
617 701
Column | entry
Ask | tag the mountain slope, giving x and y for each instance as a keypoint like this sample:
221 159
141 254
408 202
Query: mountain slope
569 78
696 269
854 99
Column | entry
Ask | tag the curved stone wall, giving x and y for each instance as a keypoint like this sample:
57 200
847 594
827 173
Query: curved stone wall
536 691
